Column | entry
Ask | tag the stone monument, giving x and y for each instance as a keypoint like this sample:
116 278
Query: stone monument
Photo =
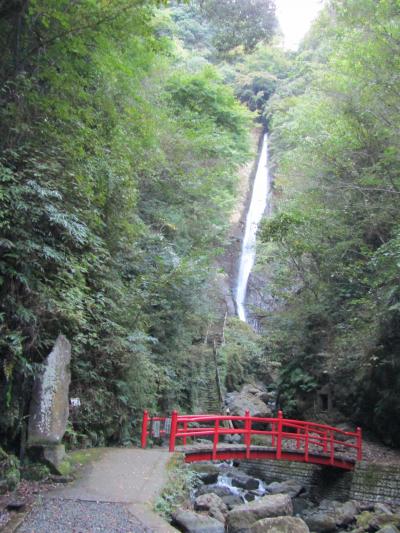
49 408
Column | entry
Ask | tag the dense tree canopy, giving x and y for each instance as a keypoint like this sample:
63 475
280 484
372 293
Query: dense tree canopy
117 169
333 241
121 132
240 22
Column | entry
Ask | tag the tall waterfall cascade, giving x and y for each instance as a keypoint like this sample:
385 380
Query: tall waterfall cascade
258 204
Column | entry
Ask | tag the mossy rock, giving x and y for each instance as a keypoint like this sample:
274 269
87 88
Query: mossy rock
35 472
13 478
364 519
65 468
9 471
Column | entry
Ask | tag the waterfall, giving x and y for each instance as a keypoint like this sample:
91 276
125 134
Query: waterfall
258 204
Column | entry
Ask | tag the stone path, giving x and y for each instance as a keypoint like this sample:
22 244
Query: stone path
113 495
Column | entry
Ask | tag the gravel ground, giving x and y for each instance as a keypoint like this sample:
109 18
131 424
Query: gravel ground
72 516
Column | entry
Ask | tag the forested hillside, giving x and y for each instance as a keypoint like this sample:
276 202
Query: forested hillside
123 126
118 173
332 247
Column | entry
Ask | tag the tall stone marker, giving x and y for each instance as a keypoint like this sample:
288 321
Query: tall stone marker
49 407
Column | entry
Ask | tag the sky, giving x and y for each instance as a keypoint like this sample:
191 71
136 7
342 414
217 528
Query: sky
295 17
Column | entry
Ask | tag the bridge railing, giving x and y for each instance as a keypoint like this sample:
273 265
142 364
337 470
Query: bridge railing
281 434
154 426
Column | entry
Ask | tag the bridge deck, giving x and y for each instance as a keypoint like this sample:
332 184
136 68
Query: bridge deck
204 452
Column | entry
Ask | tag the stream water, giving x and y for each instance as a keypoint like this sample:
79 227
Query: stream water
232 482
258 204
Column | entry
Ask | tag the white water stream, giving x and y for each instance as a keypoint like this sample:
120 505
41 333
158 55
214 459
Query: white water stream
258 204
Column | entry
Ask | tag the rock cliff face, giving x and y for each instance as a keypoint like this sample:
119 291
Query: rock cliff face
229 260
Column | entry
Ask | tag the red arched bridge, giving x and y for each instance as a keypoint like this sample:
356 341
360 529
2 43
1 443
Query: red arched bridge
260 438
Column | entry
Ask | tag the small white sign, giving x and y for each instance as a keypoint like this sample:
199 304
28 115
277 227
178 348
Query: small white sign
75 402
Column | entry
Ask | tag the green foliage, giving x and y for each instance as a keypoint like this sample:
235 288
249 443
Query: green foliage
257 76
181 481
243 23
117 169
9 471
332 246
240 357
35 472
295 385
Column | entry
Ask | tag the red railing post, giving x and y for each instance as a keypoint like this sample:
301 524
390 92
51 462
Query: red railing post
145 420
279 436
332 458
247 435
185 426
172 436
325 441
306 444
216 439
298 433
359 444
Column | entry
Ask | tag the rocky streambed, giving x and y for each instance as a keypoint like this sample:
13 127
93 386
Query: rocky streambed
225 499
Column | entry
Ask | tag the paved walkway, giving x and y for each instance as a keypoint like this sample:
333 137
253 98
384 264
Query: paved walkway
122 483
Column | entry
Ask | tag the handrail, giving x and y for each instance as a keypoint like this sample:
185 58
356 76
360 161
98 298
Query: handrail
147 427
305 436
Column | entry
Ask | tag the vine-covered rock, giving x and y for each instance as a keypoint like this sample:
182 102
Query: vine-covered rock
9 472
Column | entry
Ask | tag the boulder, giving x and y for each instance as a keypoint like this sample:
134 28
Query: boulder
243 516
214 512
259 390
49 407
242 480
301 505
255 390
191 522
9 472
380 520
320 522
342 513
364 519
376 521
232 500
265 397
220 491
366 506
213 505
245 400
389 528
382 508
346 513
291 487
280 524
233 439
207 472
250 388
331 506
